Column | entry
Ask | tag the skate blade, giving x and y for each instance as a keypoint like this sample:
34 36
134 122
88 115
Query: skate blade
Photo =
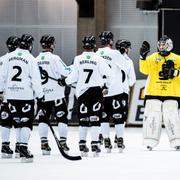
6 156
149 148
84 154
45 153
26 160
17 155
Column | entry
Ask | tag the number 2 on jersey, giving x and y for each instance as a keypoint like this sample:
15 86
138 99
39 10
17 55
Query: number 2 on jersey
16 76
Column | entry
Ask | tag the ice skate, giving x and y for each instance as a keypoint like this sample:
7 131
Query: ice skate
6 152
25 155
115 141
46 150
17 150
149 148
177 148
120 144
63 144
107 145
95 148
83 148
101 139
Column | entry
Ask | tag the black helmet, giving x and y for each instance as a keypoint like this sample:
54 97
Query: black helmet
12 43
26 42
106 37
89 42
168 45
122 44
47 41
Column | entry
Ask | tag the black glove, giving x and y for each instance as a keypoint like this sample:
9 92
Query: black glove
40 101
168 71
144 50
1 98
62 82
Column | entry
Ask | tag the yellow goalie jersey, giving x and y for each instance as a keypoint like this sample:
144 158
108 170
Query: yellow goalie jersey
156 86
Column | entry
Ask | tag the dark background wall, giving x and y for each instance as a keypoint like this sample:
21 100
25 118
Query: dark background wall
169 25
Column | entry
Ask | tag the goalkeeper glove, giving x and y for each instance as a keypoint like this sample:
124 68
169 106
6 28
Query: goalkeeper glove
144 50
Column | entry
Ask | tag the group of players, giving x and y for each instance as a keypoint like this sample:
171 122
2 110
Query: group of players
102 80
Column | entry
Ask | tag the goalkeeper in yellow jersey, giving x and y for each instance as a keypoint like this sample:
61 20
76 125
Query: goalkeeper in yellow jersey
162 93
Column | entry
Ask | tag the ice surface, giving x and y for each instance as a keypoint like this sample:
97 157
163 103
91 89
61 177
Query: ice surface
135 163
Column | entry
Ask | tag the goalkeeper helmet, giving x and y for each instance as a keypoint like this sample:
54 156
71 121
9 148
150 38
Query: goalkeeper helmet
12 43
47 41
106 37
89 42
165 45
26 42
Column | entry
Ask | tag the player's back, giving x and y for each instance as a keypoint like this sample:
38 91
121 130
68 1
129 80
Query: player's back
112 59
53 67
18 68
88 71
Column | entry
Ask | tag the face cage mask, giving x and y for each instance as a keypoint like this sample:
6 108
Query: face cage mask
169 46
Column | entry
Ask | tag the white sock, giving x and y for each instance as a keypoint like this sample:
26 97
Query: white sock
83 130
105 129
62 129
43 130
5 133
18 134
119 130
94 133
25 135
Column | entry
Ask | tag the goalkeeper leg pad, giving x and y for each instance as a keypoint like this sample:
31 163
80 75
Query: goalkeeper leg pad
172 122
152 122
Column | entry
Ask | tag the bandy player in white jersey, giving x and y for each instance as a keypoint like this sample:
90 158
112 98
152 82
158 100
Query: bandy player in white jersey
129 76
51 66
113 104
6 121
21 78
88 71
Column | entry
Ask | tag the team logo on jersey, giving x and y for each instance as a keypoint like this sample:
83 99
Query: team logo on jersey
26 108
83 109
17 119
42 58
4 115
24 119
117 116
102 52
19 54
158 59
88 57
104 115
58 102
97 106
60 113
116 104
12 108
94 118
